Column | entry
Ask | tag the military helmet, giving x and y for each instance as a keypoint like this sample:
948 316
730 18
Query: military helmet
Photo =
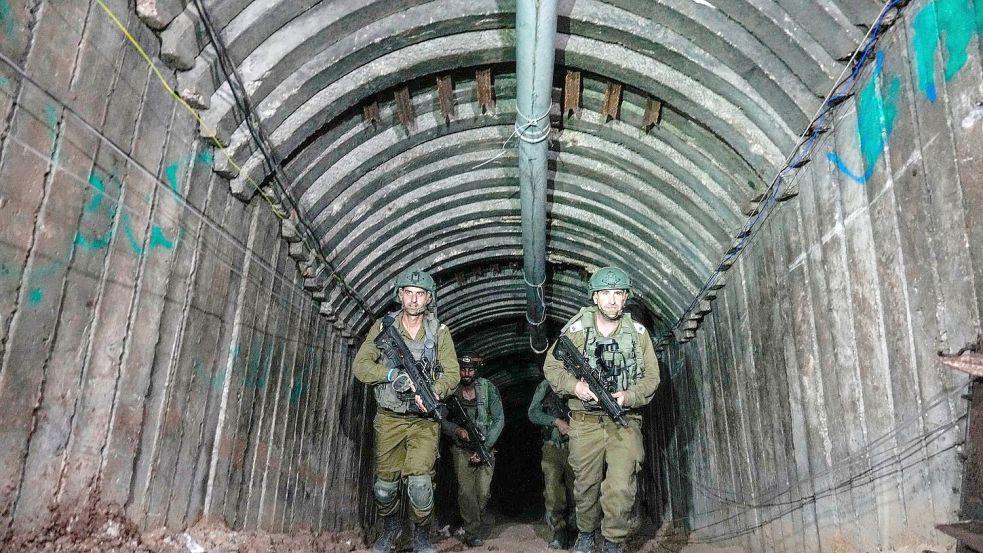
417 278
471 360
609 278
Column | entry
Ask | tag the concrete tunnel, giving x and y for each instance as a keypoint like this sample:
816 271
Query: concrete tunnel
203 206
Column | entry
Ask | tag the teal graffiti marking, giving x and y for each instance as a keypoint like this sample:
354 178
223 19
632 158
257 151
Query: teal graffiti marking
875 123
6 18
4 83
52 115
298 388
94 205
35 296
954 20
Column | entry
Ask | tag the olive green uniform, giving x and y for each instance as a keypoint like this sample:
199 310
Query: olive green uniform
604 456
405 441
557 474
474 481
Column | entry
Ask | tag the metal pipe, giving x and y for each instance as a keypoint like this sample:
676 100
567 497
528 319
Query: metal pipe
535 25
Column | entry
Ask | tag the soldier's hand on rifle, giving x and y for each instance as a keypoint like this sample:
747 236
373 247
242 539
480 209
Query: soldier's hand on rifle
462 434
474 459
620 398
561 425
583 392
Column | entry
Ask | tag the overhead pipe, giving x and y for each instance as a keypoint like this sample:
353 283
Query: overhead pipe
535 25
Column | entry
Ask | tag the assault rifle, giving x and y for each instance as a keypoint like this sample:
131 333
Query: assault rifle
418 372
477 437
577 364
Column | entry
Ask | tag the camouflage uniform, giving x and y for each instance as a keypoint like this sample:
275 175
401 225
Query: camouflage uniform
405 441
474 480
604 456
557 475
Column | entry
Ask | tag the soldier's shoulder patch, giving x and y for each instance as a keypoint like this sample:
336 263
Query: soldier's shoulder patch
639 328
576 327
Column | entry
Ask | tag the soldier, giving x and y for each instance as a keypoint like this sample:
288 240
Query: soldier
552 415
481 402
599 447
406 437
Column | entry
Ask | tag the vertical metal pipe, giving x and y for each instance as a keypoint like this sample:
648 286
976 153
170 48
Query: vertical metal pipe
534 44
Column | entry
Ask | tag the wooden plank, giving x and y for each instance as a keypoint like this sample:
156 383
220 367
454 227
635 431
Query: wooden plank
404 109
445 97
653 114
611 105
571 94
485 90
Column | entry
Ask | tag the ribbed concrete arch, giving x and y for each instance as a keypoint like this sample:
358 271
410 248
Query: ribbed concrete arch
736 83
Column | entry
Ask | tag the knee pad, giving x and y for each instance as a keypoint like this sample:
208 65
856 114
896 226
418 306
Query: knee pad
420 489
385 491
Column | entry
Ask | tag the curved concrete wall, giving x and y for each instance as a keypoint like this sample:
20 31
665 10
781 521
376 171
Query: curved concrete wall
811 412
171 345
159 351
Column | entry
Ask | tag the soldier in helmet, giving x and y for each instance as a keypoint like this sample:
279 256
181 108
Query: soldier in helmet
552 415
605 456
480 399
406 437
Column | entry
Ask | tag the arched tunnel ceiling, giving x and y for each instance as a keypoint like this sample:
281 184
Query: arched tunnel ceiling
388 179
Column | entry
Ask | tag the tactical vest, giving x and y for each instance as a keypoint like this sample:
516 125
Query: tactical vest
481 414
426 347
626 361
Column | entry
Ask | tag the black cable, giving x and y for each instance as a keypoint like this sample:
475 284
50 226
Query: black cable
259 136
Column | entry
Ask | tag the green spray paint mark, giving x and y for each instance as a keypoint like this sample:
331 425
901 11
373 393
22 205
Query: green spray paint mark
875 122
52 116
297 391
157 237
35 296
4 83
205 157
98 242
7 18
953 19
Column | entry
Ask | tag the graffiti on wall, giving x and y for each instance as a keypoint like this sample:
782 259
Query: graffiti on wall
7 19
99 223
875 122
952 23
256 371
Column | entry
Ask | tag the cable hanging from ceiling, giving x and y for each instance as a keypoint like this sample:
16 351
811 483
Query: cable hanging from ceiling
305 234
796 159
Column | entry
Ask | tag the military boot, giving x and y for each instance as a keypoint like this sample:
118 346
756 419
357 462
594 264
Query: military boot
584 543
559 539
421 540
391 529
611 547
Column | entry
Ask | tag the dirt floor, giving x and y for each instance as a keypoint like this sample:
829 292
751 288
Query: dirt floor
105 530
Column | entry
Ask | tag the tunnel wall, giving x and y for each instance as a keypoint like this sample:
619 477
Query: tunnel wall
810 412
160 355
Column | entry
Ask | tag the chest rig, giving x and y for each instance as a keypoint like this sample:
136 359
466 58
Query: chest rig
619 355
423 349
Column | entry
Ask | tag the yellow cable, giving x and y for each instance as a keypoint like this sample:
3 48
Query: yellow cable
180 100
276 211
